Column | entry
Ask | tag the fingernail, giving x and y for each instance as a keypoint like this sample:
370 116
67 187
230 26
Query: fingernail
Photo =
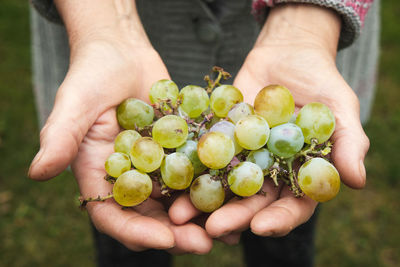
362 169
35 160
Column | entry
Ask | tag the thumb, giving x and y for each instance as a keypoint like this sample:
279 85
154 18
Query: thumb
350 145
68 123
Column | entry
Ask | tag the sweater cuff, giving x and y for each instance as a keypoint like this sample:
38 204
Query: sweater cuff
47 9
352 13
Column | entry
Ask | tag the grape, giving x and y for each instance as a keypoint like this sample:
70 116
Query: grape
134 113
170 131
215 150
177 171
319 179
262 157
117 163
132 188
316 121
285 140
146 154
194 99
245 179
252 132
190 150
240 111
207 194
227 128
163 90
124 141
275 104
223 98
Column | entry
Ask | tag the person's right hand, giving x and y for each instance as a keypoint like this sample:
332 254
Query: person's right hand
105 70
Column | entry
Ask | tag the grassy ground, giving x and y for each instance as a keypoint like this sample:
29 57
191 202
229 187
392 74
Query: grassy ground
40 224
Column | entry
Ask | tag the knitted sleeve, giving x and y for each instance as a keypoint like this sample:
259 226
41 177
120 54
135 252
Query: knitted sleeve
352 12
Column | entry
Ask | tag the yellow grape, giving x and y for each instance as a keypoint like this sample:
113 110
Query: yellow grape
132 188
223 98
146 154
206 193
215 150
275 104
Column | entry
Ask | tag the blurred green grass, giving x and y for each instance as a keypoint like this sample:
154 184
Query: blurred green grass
40 224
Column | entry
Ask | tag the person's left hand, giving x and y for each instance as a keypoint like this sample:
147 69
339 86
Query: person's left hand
304 64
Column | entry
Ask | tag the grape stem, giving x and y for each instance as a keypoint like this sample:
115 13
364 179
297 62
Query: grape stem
292 177
85 201
221 75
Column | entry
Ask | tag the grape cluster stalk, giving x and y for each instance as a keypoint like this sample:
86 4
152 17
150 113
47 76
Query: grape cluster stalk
210 143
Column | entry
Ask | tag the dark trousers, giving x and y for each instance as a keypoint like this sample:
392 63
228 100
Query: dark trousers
295 249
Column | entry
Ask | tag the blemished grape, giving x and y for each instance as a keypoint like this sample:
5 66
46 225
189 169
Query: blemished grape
223 98
240 111
245 179
275 104
134 113
194 99
227 128
163 90
285 140
170 131
190 150
146 154
177 171
262 157
319 179
206 193
316 121
124 141
132 188
252 132
215 150
117 163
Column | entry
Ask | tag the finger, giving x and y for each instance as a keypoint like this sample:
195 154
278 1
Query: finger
236 215
350 145
283 215
135 231
231 239
182 210
73 113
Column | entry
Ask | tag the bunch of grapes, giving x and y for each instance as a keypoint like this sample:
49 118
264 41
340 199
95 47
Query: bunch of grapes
209 142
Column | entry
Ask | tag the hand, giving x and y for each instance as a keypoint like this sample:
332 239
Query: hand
299 57
105 69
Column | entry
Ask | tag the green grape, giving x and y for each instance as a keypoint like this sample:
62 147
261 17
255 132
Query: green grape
206 193
215 150
132 188
252 132
285 140
177 171
316 121
275 104
134 113
163 90
170 131
146 154
190 150
245 179
319 179
227 128
117 163
194 99
240 111
124 141
262 157
223 98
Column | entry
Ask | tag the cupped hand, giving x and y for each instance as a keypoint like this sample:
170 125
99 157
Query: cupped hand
305 64
80 132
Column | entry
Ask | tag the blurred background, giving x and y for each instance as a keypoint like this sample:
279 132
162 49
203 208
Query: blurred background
41 224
